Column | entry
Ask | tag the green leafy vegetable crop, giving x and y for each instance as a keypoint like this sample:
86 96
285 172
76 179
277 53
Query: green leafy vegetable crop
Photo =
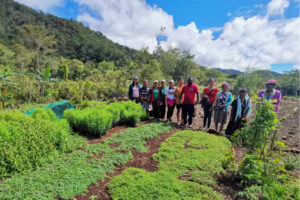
197 154
26 143
72 173
97 120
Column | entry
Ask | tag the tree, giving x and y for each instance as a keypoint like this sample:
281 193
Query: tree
6 55
23 57
39 40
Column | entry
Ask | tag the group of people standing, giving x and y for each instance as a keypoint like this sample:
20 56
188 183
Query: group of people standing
185 96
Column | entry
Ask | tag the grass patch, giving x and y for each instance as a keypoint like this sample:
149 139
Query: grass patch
72 173
197 153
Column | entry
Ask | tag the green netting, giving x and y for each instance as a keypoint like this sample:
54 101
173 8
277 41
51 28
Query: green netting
57 107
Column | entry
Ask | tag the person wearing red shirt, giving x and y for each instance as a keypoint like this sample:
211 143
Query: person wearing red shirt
188 105
209 97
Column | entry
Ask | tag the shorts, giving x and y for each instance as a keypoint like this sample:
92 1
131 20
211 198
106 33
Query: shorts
179 106
220 116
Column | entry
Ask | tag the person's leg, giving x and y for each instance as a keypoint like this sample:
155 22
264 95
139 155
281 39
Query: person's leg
155 110
171 108
209 113
223 120
221 127
184 113
205 115
168 112
216 113
191 113
162 111
178 113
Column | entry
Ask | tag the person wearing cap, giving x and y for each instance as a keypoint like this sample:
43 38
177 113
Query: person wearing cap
209 97
155 100
188 105
170 100
221 107
144 94
271 94
162 89
133 92
240 110
178 90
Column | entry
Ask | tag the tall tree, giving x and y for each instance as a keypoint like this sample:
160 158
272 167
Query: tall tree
39 40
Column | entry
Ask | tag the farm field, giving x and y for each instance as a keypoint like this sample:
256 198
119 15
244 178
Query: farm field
90 91
150 161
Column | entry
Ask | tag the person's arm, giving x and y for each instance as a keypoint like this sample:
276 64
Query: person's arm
141 98
203 95
130 92
166 100
197 98
149 96
215 101
181 94
260 94
176 92
229 100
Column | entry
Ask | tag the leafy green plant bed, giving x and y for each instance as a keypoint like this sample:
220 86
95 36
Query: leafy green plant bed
197 154
97 120
27 142
72 173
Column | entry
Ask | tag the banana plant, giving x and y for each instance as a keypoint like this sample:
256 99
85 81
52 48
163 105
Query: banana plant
44 80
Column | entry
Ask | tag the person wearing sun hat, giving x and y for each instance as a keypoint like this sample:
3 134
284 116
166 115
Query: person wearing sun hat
271 94
134 88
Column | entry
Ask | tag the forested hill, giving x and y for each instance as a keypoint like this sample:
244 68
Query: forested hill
72 39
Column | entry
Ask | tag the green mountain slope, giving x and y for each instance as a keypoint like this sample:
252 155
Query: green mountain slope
73 39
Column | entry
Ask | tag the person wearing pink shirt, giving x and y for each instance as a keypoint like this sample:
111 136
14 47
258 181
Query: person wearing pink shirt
271 94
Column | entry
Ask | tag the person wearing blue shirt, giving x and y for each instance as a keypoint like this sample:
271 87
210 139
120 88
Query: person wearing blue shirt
222 104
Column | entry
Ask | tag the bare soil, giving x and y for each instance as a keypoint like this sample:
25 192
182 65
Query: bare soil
290 130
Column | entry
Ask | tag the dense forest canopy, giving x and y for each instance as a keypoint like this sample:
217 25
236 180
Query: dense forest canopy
45 58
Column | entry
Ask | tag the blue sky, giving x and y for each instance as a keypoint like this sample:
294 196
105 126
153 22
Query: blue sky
195 17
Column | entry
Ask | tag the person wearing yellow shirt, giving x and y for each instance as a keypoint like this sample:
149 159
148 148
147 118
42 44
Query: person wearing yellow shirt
177 96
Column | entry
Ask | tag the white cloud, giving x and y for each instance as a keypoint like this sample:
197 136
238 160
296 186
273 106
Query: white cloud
44 5
277 7
244 42
129 22
296 66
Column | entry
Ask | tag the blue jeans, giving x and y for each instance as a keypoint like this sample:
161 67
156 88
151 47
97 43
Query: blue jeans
146 106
